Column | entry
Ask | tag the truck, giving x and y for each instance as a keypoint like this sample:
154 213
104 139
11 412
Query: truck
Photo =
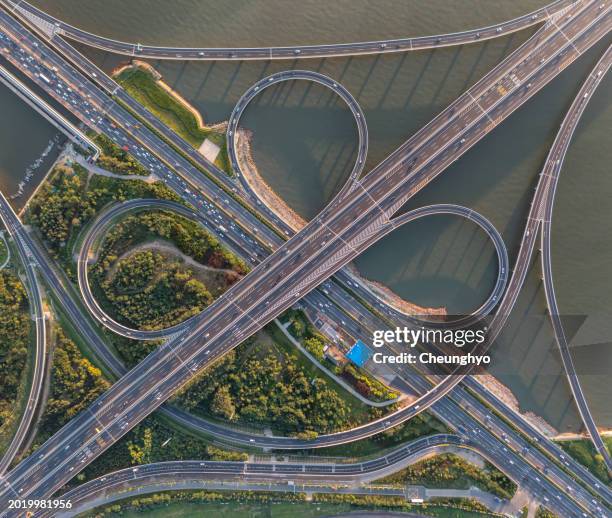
44 78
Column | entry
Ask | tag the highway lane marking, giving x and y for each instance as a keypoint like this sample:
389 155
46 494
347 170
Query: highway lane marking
565 36
481 108
8 484
358 183
104 428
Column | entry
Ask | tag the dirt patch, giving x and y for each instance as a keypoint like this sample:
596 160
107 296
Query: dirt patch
215 279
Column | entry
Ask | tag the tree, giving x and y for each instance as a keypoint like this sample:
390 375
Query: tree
315 347
223 404
142 454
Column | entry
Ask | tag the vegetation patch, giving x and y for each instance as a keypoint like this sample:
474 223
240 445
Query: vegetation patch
261 383
368 386
117 159
542 512
243 504
4 251
144 88
151 288
15 328
584 452
451 471
68 201
75 384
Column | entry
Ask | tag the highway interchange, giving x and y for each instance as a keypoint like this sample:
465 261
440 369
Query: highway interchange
365 241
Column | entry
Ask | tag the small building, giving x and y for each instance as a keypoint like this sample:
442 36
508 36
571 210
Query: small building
359 354
334 354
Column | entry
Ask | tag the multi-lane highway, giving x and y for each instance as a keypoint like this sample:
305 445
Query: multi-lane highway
51 25
551 171
263 472
228 211
336 233
39 358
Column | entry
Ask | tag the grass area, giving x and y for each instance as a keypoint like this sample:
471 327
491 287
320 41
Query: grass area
247 504
4 251
584 452
264 383
142 277
239 510
453 472
279 342
304 331
144 88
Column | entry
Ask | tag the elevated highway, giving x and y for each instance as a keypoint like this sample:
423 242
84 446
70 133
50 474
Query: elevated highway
52 25
40 354
229 210
552 171
256 299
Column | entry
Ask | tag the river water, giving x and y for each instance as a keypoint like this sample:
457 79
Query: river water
304 146
29 145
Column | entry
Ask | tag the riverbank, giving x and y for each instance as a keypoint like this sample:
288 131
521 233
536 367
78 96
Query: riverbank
146 85
263 191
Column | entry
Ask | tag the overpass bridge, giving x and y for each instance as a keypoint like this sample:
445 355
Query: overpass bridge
551 172
579 42
51 26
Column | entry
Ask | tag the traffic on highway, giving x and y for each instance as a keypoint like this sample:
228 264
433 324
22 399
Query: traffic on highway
304 268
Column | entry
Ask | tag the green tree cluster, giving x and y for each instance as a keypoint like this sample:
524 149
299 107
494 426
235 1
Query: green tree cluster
15 326
67 201
75 384
585 453
366 385
149 292
116 159
314 345
270 390
451 471
189 237
542 512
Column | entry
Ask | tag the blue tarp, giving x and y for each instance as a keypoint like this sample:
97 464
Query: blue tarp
359 353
